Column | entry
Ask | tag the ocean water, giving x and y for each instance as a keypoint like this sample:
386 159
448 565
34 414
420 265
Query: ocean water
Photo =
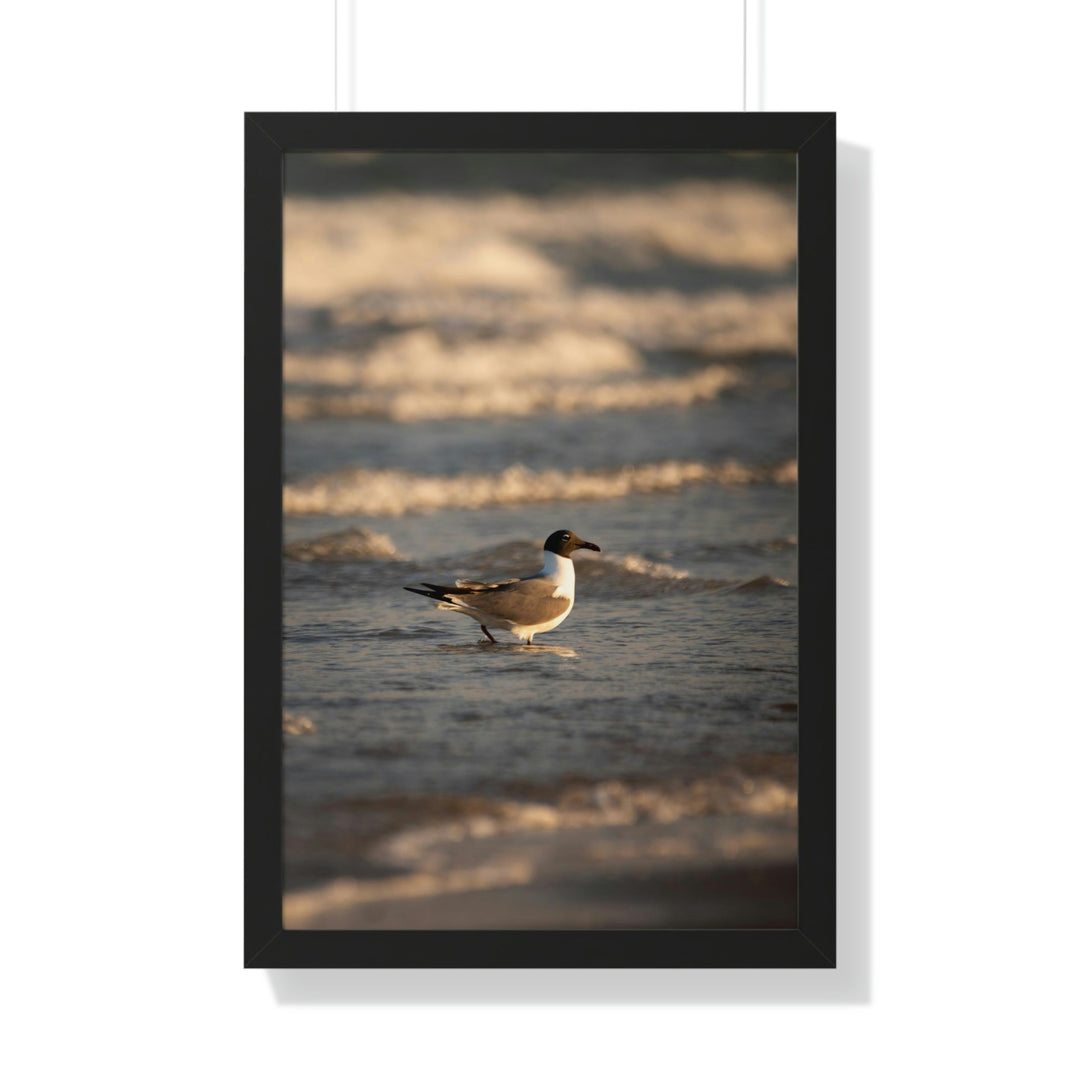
480 352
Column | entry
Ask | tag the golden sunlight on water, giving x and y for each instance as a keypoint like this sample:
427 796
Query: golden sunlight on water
479 352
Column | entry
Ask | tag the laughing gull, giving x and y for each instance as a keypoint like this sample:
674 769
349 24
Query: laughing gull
524 606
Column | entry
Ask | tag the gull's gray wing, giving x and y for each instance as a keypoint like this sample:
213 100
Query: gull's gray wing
527 603
463 587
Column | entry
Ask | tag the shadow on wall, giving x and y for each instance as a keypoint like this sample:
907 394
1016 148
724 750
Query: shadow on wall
851 981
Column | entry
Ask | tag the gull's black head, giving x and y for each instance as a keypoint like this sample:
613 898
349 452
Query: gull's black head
564 542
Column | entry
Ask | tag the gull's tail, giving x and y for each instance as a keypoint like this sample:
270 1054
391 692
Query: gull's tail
440 592
462 588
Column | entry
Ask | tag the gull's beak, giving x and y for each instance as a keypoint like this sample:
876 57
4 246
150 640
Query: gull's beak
586 544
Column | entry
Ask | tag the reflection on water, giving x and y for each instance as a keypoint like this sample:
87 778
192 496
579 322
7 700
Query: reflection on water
501 647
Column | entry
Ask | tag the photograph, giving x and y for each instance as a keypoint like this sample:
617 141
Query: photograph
540 544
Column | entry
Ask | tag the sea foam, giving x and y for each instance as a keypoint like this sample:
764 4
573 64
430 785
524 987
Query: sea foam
718 323
436 242
393 492
349 545
423 358
514 397
611 826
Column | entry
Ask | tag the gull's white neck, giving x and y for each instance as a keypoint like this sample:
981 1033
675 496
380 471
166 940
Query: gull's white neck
561 572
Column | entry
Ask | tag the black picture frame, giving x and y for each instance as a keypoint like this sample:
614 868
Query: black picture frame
812 137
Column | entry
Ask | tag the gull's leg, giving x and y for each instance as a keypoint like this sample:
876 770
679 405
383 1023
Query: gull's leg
488 636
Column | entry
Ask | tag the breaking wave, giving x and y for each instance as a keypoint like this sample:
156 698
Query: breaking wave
632 577
394 492
296 724
764 583
513 398
624 576
447 243
421 358
349 545
720 323
739 817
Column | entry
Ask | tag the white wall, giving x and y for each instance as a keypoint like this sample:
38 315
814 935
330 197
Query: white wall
481 56
122 200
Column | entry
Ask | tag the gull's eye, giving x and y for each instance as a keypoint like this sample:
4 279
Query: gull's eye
565 536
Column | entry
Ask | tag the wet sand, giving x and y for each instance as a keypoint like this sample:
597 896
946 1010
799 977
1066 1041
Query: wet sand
717 897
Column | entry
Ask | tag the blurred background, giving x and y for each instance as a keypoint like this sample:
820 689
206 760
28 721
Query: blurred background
481 349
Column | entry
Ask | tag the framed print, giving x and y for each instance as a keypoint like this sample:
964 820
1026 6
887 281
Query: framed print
540 540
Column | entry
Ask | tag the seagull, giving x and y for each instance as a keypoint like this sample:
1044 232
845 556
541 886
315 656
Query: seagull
524 606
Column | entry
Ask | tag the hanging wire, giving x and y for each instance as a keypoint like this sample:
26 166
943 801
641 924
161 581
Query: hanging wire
744 55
